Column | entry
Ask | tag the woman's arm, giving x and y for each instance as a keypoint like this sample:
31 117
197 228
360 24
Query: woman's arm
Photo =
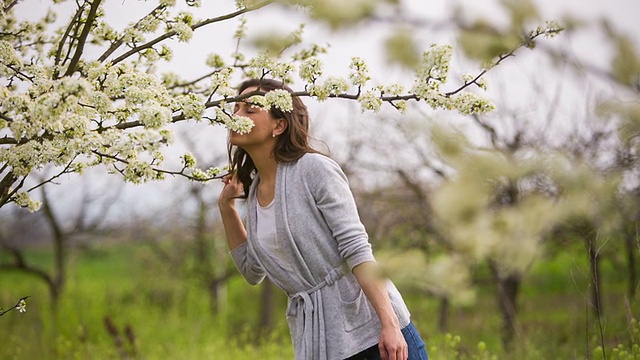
392 344
330 189
236 233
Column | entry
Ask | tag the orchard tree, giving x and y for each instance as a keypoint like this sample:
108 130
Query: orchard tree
64 108
66 231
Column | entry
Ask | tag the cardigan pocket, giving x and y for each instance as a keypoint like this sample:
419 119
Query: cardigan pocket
357 312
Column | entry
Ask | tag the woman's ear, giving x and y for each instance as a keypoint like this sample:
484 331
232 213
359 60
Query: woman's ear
281 126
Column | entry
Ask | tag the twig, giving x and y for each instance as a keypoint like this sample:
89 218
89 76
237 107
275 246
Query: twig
56 62
160 171
194 27
116 44
20 305
91 17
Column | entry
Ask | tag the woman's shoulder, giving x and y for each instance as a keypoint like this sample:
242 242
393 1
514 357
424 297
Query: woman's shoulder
316 164
317 168
315 160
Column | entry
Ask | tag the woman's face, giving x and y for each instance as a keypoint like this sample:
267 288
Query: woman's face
261 133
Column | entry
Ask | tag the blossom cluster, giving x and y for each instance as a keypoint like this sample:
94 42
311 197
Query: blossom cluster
432 71
239 124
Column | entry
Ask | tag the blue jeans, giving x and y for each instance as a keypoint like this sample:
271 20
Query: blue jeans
417 350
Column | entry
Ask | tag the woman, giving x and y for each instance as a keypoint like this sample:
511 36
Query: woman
304 233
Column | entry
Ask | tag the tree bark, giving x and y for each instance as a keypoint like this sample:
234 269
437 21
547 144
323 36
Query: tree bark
265 324
443 316
632 245
58 278
508 290
594 276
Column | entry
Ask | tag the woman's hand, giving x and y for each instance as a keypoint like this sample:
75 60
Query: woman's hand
233 226
230 192
392 344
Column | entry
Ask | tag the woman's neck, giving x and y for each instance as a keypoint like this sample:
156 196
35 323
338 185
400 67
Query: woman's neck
265 163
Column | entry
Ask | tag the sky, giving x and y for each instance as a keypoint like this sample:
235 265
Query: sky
511 81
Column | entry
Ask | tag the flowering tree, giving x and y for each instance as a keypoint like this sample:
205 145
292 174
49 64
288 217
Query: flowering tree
502 198
63 108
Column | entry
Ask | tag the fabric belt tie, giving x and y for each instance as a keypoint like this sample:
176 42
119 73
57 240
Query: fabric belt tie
301 302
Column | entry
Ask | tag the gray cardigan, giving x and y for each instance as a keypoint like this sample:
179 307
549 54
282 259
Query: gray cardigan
321 235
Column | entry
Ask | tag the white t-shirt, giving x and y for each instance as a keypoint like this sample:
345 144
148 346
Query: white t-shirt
267 237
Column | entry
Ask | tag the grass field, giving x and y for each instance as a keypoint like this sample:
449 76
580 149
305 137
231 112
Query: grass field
169 314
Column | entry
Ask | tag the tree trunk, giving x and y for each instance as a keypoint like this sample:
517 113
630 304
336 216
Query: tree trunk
443 316
508 289
632 244
57 282
202 253
266 308
594 276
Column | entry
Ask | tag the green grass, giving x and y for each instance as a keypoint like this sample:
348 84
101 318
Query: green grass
171 317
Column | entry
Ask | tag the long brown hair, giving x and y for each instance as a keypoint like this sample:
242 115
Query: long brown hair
291 144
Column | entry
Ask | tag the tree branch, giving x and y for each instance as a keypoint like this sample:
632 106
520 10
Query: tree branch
16 306
11 5
193 82
75 18
6 140
64 171
83 37
115 45
194 27
18 73
21 265
500 59
5 186
158 170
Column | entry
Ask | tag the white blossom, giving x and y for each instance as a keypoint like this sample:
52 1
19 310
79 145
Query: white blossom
280 99
133 35
262 62
214 61
310 69
149 24
22 199
401 106
138 171
221 83
239 124
153 115
166 53
332 86
22 306
468 103
359 74
241 31
369 100
104 31
192 105
183 30
432 70
8 56
283 70
189 161
392 89
199 175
